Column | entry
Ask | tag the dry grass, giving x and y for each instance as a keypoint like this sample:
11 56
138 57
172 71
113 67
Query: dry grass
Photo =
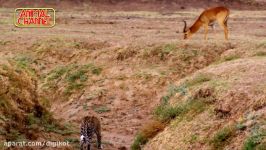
147 132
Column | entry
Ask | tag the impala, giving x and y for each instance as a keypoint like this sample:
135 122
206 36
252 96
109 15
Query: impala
206 18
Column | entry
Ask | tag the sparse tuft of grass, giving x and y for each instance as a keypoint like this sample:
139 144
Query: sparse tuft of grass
73 86
169 47
24 63
58 72
3 43
192 139
85 107
4 104
73 76
166 112
160 51
222 137
72 140
45 102
172 90
32 119
59 129
199 79
262 45
256 140
77 75
148 131
138 142
260 53
144 75
231 57
261 146
102 109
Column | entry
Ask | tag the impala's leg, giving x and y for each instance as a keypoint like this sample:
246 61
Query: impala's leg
223 24
225 30
206 30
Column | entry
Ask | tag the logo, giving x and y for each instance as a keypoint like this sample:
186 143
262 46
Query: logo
34 17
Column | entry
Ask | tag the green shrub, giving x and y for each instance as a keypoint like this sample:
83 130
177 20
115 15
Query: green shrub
138 141
222 137
58 72
255 141
167 112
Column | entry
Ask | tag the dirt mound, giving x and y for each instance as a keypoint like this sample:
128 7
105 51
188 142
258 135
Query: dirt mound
22 116
227 102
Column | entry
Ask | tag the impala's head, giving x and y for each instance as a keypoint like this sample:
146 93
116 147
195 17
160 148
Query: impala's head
186 31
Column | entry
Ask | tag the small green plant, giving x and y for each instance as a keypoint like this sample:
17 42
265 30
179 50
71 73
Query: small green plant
255 141
58 129
96 70
74 142
193 138
45 102
260 53
73 76
199 79
77 75
4 104
160 51
172 90
148 131
187 55
58 72
261 146
262 45
2 146
144 75
24 63
231 57
240 126
73 86
169 47
31 119
102 109
138 141
3 43
85 107
222 137
15 135
167 112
